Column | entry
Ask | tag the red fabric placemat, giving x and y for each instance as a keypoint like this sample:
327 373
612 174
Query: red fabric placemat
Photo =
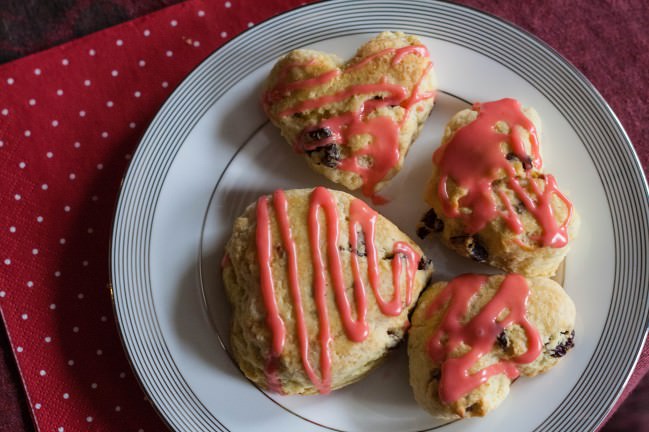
70 119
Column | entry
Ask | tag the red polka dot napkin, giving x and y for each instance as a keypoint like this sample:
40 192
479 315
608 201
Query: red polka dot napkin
70 119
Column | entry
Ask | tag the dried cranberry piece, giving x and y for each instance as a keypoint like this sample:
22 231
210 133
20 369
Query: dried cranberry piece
527 164
502 340
328 155
359 251
319 134
478 252
424 263
360 248
331 155
526 161
473 247
422 232
431 221
395 336
519 208
561 349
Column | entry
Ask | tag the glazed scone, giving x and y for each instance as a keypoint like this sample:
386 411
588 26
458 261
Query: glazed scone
312 319
354 122
472 336
490 200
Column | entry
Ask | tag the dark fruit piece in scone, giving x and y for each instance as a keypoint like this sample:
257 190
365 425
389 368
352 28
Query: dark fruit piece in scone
360 249
565 346
319 134
424 263
526 161
502 340
474 249
432 222
422 232
328 155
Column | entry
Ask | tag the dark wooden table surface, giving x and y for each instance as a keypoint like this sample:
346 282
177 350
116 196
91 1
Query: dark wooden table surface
29 26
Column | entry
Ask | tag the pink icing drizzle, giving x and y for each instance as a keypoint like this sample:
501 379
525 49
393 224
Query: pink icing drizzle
473 159
363 216
281 90
399 53
383 150
356 329
404 251
479 334
281 208
273 319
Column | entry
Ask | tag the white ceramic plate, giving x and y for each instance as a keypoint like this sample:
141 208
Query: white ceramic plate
211 151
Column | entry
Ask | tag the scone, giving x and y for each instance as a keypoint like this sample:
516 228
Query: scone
321 286
472 336
490 200
354 122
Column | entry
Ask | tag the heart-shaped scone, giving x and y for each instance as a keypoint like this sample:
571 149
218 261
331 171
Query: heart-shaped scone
321 286
354 122
490 199
472 336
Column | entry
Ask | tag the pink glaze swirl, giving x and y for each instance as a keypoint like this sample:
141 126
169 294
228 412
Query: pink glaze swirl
383 150
479 334
473 159
356 329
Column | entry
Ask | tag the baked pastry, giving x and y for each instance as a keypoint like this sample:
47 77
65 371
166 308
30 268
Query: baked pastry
310 319
490 199
354 122
472 336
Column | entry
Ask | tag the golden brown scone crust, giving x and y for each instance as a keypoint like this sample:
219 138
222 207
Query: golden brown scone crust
496 244
549 309
410 71
250 336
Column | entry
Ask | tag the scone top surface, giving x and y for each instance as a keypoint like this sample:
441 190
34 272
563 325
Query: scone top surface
354 122
321 286
472 336
494 202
